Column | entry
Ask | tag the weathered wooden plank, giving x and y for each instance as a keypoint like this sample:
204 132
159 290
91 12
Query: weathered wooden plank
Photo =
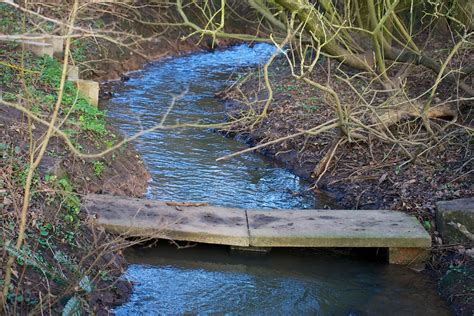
146 218
335 228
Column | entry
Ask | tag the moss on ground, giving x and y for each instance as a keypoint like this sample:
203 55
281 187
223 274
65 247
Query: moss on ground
66 261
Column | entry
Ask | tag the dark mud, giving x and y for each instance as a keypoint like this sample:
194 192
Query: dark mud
363 175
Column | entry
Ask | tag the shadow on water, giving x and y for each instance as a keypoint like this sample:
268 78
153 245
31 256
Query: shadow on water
211 280
183 167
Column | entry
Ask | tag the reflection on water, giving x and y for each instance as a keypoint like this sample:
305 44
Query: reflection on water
183 162
210 280
206 280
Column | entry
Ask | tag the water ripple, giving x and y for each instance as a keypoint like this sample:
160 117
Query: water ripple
183 167
183 162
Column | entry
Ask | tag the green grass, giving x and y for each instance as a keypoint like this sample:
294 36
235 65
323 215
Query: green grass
56 232
52 241
42 77
98 168
10 20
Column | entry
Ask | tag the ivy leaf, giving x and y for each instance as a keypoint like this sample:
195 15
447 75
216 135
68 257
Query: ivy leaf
85 284
73 307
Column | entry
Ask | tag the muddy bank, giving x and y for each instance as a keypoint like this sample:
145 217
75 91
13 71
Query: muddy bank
63 245
361 175
122 173
120 64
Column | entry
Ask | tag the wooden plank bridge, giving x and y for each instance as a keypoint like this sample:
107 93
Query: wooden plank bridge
403 236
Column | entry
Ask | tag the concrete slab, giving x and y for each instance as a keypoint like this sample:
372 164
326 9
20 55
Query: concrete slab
89 89
56 43
455 221
38 48
408 256
401 236
72 73
335 228
145 218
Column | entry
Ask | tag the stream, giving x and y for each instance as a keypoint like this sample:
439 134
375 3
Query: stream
182 162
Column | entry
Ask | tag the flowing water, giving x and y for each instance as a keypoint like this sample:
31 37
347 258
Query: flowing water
210 280
183 161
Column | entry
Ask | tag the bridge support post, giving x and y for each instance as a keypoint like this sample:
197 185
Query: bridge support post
89 89
408 256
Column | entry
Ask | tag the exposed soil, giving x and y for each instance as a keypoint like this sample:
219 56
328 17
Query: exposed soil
121 172
120 63
363 175
124 174
360 175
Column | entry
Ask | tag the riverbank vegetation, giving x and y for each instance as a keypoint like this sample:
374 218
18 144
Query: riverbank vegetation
53 149
370 99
